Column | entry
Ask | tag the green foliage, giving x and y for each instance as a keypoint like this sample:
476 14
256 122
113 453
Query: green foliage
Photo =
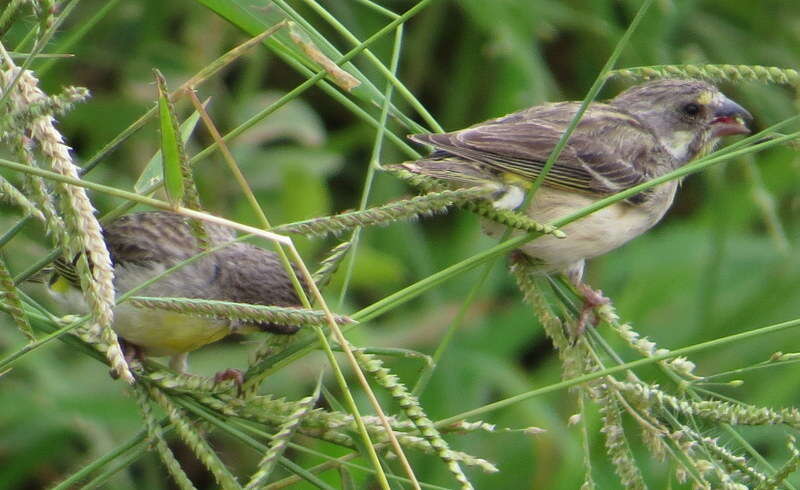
705 283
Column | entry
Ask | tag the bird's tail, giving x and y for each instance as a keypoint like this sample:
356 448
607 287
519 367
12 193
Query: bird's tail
454 172
450 170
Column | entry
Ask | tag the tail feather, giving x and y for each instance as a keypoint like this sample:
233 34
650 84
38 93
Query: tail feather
454 170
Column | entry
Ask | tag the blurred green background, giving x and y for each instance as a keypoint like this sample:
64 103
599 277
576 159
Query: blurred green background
723 261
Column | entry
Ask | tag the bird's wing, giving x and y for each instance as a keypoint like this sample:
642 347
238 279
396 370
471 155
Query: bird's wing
256 276
62 268
157 236
606 153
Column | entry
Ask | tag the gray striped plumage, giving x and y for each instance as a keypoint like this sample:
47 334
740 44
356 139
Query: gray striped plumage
647 131
143 245
239 272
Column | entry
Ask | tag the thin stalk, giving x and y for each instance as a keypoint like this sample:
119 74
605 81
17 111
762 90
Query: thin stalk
132 196
374 162
125 462
32 346
389 74
691 349
76 35
378 8
198 78
289 465
37 48
133 442
317 78
350 401
427 372
331 463
11 232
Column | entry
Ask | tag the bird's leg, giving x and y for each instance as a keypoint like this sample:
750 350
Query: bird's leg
180 363
132 353
592 298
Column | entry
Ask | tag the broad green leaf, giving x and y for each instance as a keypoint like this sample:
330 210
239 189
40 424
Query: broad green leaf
170 144
253 19
153 172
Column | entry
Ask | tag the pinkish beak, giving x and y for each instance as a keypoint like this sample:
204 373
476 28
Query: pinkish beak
730 118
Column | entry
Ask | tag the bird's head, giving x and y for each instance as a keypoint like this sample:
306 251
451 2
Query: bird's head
687 116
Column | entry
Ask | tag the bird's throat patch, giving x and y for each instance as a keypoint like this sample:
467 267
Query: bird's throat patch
678 143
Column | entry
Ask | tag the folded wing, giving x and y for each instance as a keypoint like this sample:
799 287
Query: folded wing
606 153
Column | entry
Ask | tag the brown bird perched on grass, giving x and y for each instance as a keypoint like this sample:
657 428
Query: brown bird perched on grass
643 133
144 245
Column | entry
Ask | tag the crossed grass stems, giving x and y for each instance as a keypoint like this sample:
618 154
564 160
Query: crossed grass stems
659 415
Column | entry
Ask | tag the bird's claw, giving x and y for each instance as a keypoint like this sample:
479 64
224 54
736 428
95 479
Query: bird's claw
592 298
133 354
231 374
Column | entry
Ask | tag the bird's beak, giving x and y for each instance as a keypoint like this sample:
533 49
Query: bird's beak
730 118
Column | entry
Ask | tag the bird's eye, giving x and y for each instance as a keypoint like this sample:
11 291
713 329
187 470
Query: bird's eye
691 109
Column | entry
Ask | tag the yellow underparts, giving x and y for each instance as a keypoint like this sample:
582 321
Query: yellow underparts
157 332
166 333
60 285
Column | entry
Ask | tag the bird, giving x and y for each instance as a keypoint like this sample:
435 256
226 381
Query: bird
143 245
644 132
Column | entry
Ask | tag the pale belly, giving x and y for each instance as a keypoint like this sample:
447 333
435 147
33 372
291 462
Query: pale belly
590 236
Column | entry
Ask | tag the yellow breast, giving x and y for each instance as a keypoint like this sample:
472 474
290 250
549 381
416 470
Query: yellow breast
166 333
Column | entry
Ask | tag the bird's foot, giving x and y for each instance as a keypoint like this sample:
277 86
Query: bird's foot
133 355
592 299
517 256
231 374
132 352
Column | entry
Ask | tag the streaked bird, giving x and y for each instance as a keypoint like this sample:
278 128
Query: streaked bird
643 133
144 245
